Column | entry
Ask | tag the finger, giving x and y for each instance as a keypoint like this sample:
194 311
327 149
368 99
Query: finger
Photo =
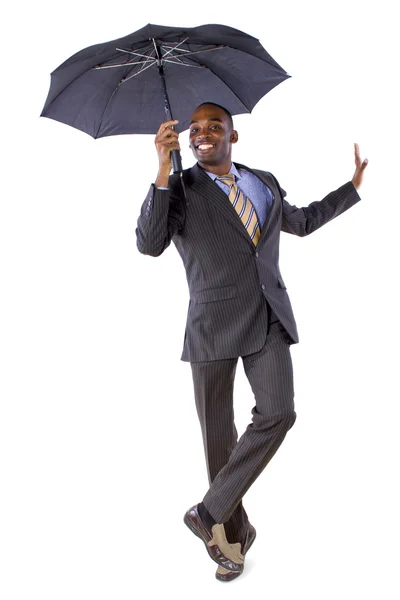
170 146
166 135
173 146
166 125
166 143
357 155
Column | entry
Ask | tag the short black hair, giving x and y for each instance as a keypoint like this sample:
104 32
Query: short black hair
226 111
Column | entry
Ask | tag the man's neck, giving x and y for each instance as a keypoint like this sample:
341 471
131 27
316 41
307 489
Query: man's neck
217 169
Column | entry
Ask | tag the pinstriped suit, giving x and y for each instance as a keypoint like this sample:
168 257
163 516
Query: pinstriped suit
238 307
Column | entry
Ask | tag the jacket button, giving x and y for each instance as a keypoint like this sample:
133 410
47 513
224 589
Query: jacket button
263 286
257 255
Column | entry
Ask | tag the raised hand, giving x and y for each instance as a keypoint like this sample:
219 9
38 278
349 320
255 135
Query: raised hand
165 141
360 167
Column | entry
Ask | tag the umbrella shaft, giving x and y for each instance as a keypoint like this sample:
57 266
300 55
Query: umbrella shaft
175 154
167 106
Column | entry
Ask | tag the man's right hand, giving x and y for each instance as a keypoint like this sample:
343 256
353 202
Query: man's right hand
165 141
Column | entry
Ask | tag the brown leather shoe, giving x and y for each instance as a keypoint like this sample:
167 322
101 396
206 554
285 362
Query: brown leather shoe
225 554
223 574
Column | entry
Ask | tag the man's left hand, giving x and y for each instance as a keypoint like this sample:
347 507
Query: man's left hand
360 168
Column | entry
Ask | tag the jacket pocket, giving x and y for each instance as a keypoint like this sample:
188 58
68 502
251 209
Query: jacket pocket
215 294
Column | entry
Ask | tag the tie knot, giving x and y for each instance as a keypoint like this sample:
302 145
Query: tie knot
229 178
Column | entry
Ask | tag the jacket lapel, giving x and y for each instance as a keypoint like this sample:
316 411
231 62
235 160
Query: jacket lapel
201 183
204 185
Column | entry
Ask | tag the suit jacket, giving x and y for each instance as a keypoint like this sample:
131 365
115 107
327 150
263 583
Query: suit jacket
230 280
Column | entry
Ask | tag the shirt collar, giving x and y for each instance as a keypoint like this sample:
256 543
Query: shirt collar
232 170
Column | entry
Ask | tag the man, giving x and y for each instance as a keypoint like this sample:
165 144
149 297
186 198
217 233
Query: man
226 228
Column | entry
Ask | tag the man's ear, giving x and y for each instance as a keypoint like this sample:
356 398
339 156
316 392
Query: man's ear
234 136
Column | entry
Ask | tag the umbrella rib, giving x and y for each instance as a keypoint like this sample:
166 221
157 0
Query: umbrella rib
151 60
126 78
148 57
127 64
205 50
182 64
174 47
132 52
187 52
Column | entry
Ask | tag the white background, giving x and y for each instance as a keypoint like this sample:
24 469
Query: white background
101 452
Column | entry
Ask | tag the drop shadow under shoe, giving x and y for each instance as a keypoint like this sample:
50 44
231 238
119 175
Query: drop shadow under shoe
219 549
223 574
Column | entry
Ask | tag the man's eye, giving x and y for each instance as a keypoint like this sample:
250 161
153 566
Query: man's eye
214 127
193 131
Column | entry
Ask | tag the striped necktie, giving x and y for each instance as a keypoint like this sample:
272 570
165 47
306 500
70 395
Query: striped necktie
243 207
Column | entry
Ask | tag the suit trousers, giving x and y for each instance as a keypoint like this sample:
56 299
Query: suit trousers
232 464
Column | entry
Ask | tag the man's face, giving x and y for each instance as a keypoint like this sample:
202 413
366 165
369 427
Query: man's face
211 135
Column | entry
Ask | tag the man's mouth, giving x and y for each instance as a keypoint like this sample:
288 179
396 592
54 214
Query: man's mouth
204 147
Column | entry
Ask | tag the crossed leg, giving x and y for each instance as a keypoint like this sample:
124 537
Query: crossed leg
213 387
234 465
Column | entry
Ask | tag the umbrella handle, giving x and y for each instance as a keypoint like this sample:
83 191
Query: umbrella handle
176 161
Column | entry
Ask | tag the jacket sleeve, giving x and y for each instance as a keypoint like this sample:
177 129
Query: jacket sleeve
303 221
161 217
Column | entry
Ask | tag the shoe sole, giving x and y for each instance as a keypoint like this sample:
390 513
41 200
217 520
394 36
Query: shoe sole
193 530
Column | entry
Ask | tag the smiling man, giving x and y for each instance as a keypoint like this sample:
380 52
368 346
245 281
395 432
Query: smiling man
212 144
227 232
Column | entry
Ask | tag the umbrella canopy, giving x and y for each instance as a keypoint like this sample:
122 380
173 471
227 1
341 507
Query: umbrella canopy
115 87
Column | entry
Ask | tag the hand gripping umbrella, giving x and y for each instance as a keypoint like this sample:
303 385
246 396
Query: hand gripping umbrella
132 84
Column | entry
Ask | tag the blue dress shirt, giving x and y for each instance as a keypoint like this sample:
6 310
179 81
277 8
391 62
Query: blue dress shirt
258 193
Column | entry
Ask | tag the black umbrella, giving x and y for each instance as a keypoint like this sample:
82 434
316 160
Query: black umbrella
132 84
